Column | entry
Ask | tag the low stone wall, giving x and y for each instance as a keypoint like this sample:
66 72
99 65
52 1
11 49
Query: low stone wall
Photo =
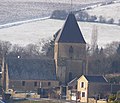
45 101
92 100
25 95
101 101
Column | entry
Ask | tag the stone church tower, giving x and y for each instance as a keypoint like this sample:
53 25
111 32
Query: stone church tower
70 51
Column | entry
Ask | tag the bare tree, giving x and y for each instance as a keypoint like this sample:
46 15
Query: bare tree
111 48
33 49
5 47
17 50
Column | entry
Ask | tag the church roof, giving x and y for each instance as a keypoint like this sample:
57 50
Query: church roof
97 79
31 69
70 33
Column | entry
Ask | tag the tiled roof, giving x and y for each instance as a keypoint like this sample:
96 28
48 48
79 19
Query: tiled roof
31 69
70 33
97 79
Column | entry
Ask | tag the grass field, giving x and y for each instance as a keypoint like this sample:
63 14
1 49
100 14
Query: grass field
42 101
28 102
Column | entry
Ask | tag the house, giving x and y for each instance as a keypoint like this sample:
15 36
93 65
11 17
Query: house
28 74
89 88
69 51
92 87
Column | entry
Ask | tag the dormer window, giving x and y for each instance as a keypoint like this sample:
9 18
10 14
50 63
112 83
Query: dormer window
71 52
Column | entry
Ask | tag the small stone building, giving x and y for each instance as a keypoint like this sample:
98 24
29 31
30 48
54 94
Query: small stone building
69 51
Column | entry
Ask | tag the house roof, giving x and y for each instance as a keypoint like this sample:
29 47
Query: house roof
70 33
31 69
97 79
73 82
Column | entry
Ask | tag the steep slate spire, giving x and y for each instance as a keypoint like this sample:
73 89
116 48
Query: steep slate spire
70 33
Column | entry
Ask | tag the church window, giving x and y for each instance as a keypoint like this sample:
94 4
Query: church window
35 84
71 52
49 83
84 67
70 76
23 83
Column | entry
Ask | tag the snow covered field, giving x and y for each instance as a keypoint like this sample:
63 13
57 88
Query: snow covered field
14 11
32 32
61 1
19 10
107 11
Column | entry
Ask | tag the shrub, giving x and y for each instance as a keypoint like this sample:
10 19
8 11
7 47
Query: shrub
112 97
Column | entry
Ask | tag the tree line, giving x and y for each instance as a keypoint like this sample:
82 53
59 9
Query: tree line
105 61
83 16
31 50
101 61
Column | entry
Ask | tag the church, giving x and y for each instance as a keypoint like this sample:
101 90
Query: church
68 63
70 51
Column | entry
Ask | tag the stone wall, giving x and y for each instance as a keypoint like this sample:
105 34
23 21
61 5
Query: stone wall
70 63
31 85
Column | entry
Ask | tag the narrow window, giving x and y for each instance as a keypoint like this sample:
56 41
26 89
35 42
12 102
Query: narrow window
83 94
82 84
35 84
76 87
49 83
23 83
70 76
71 52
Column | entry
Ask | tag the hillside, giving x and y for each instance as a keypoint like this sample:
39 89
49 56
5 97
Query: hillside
107 11
62 1
44 29
17 10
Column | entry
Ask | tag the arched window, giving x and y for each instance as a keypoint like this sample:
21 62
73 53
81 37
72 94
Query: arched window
70 76
71 52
